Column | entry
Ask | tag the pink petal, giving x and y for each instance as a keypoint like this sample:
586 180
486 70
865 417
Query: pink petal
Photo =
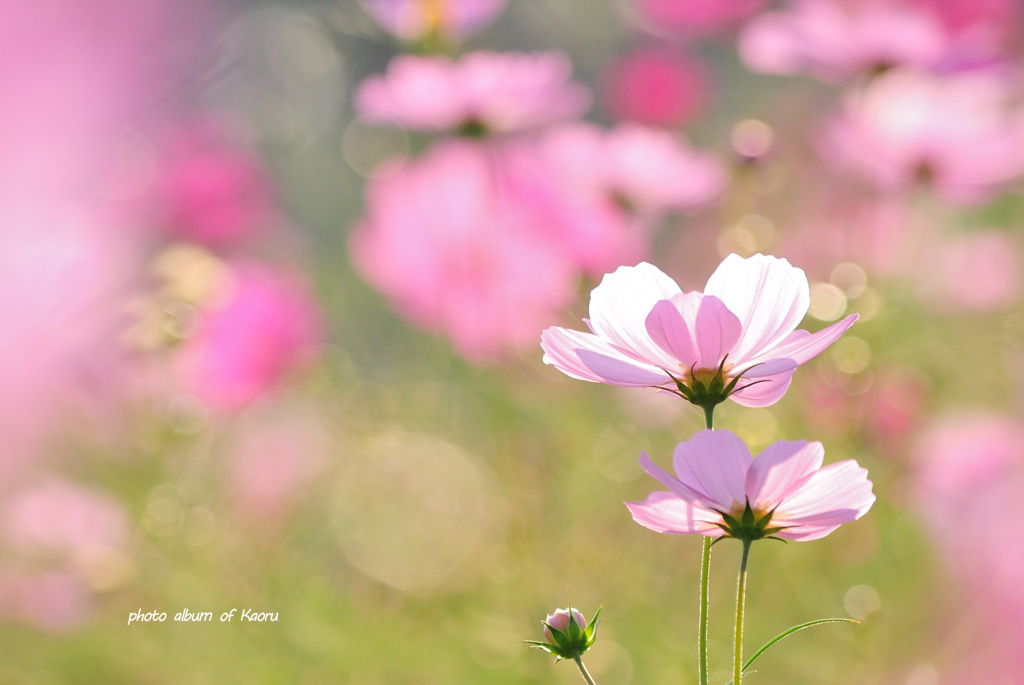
779 468
663 512
801 346
714 465
620 304
767 294
717 331
669 481
667 327
836 494
763 391
587 357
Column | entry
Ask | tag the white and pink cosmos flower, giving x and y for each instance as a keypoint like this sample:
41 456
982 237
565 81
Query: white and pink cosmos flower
786 490
646 332
958 133
480 92
412 20
833 41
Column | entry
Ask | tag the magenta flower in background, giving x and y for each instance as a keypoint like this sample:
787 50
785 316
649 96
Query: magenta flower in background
646 332
262 324
956 133
461 250
833 40
696 17
976 271
721 490
659 86
479 92
412 20
210 190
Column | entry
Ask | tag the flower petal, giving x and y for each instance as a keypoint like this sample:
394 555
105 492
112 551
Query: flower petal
717 330
764 390
801 346
663 512
666 324
587 357
836 494
620 304
714 465
780 468
767 294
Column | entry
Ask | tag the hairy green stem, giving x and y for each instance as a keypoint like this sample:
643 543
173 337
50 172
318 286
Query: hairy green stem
741 597
583 671
705 590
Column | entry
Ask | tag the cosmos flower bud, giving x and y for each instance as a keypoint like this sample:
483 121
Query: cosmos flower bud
567 634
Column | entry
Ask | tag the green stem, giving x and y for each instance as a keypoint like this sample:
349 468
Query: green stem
741 597
705 590
584 672
702 634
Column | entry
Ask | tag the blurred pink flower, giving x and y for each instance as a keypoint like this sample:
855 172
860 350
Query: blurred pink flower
788 492
984 21
480 92
57 600
659 86
211 191
600 189
696 17
647 332
63 520
833 40
412 20
262 324
461 250
955 133
976 271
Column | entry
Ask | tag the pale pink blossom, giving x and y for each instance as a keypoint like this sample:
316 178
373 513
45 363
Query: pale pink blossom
646 332
261 325
479 92
210 190
54 600
833 40
659 86
461 251
787 490
696 17
412 20
957 133
559 620
975 271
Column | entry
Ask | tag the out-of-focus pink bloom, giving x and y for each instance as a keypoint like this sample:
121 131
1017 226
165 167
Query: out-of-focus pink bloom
63 520
600 189
559 620
461 251
56 600
984 20
788 492
647 332
211 191
696 17
953 132
262 324
979 270
272 463
655 85
412 20
835 41
480 92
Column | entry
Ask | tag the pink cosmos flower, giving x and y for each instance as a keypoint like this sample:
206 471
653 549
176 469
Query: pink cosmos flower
696 17
211 191
741 331
480 92
954 132
977 271
461 249
656 86
721 490
412 20
835 41
262 325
